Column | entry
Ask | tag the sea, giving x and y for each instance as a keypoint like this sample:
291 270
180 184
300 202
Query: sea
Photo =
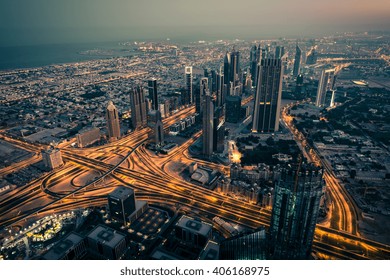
17 57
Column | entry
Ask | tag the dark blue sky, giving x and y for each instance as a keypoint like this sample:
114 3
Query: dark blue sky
54 21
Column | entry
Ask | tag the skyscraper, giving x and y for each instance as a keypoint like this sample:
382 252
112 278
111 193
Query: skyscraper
152 88
188 80
254 60
138 107
268 96
325 84
297 61
295 210
200 94
233 109
112 118
231 71
279 52
219 129
208 126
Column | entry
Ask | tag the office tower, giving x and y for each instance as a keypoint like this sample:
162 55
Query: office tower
299 84
200 94
254 60
332 98
325 84
87 136
213 84
52 158
153 96
121 203
245 246
156 125
220 91
233 109
295 210
231 72
112 118
138 107
188 80
268 96
279 52
219 129
297 61
208 126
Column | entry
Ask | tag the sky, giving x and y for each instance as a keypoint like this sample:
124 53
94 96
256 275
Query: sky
25 22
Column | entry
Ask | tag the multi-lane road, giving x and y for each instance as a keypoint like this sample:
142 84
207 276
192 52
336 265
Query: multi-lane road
126 161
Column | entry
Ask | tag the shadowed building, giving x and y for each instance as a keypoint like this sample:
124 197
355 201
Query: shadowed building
297 61
268 96
152 89
188 97
325 84
295 210
138 107
208 126
112 118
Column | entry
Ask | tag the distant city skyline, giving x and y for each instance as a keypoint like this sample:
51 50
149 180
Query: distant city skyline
40 22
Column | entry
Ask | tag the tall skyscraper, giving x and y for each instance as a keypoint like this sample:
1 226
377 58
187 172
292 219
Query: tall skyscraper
200 94
121 203
297 61
112 118
220 92
152 88
208 126
295 210
231 71
219 129
138 107
233 109
279 52
188 80
325 84
268 96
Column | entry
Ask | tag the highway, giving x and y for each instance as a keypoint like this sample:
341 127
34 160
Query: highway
153 184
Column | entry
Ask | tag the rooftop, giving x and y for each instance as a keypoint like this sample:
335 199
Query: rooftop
194 226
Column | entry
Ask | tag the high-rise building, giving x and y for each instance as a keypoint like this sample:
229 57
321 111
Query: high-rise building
299 84
295 210
193 232
279 52
220 90
153 96
219 129
112 118
200 94
208 126
245 246
156 125
121 203
297 61
254 60
52 158
188 80
138 107
268 96
325 84
231 72
233 109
